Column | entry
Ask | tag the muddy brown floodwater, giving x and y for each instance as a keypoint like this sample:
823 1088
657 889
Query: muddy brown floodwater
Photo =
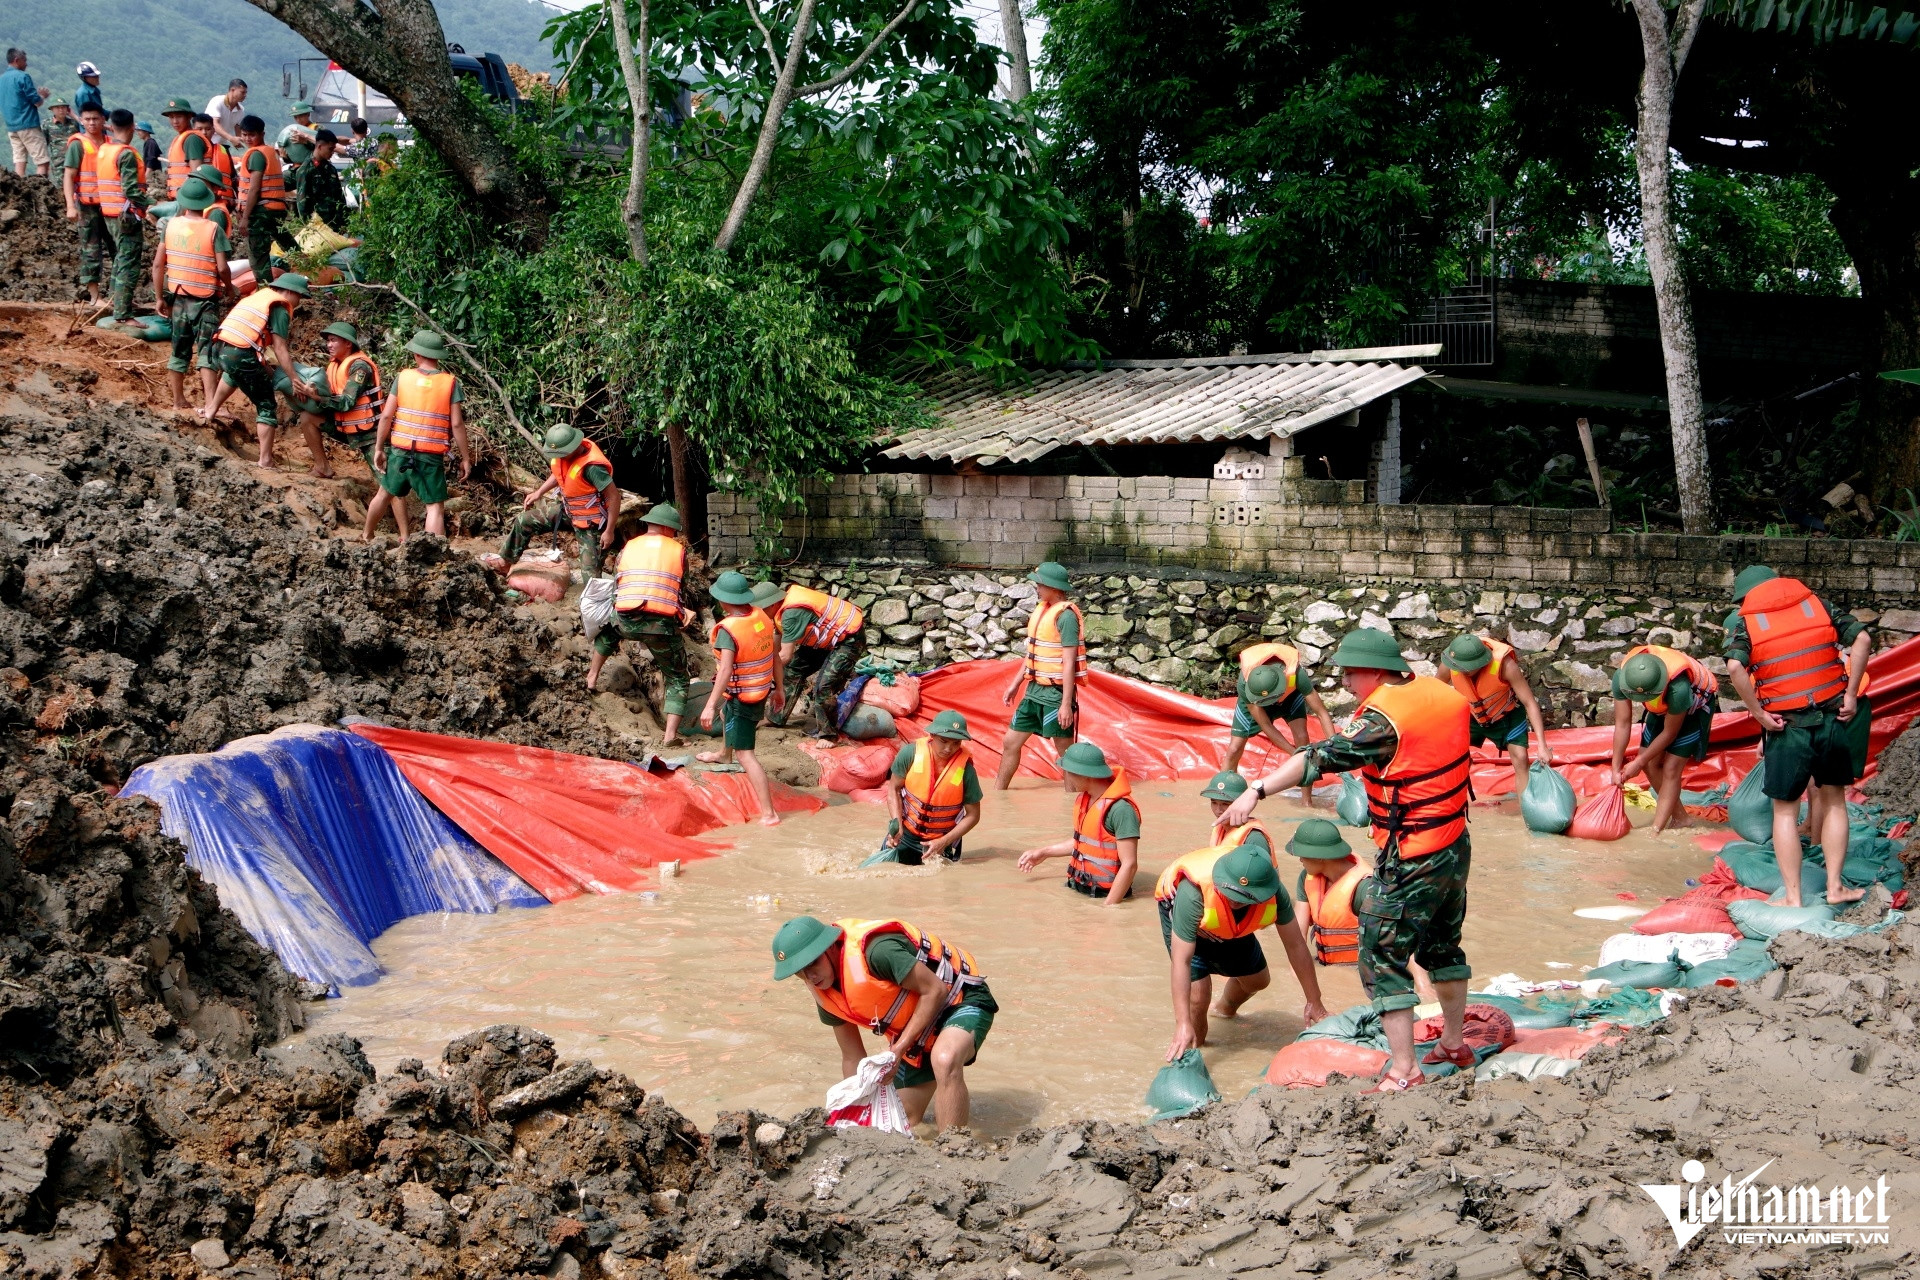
674 989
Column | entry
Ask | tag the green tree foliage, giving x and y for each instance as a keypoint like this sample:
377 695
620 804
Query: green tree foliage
910 195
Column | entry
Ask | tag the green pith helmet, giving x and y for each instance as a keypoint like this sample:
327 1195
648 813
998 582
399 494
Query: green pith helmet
194 195
292 282
1467 654
950 724
663 515
1085 760
1267 684
1643 677
732 587
1052 575
1749 578
561 440
302 109
1318 838
1367 649
1225 785
426 342
338 329
767 594
800 942
215 180
1246 876
177 107
60 102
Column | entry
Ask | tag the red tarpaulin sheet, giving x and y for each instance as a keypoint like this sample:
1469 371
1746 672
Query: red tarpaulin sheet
572 824
1155 733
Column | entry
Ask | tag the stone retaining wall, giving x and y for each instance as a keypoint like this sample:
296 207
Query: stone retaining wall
1186 631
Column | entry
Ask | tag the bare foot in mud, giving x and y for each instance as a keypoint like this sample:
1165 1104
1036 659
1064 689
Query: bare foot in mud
1843 895
317 474
673 742
708 757
1220 1010
769 819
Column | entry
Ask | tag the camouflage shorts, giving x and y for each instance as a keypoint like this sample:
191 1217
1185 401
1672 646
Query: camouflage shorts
1413 911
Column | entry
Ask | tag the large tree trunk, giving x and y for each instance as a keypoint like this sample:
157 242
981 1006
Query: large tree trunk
1013 38
636 70
1665 53
1879 222
401 51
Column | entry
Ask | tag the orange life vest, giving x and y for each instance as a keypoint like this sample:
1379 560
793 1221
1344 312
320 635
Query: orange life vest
86 184
756 646
930 806
1419 801
1706 686
651 569
247 324
834 618
191 266
865 999
365 413
1486 689
1332 924
1221 919
585 506
424 420
1259 655
217 157
1096 853
179 168
1794 647
1046 655
273 188
106 177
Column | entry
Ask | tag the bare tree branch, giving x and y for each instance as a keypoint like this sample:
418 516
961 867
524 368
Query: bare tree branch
753 11
756 173
853 68
1013 39
637 72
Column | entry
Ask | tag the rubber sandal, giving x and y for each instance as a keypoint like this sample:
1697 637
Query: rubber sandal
1389 1084
1461 1057
728 767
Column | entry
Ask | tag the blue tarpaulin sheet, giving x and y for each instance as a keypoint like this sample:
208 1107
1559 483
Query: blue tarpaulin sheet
318 843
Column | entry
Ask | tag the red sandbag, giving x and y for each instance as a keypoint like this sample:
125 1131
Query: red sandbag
1485 1025
1306 1064
848 771
900 699
1715 841
1693 912
1721 883
538 586
1602 818
869 795
1562 1042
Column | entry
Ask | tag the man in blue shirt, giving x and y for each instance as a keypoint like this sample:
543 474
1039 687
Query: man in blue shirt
89 91
20 109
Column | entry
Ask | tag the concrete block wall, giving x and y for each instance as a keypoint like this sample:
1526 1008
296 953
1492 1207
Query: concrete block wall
1285 526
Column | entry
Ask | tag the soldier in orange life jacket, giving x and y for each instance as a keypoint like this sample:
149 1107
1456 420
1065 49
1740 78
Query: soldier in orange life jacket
1104 850
747 676
1678 695
262 195
1273 686
1410 742
190 276
82 184
350 403
1799 665
588 502
260 321
121 183
420 423
926 998
1213 904
1487 674
825 634
650 606
1051 672
933 795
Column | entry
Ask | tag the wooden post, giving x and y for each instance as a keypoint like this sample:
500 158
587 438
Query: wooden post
1593 461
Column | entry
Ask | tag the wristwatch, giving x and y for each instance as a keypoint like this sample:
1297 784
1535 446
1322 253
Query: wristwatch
1260 788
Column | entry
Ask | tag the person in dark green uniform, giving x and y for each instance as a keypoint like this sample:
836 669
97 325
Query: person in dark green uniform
190 146
259 220
194 319
1050 674
92 224
1104 850
222 196
816 950
60 132
740 694
830 668
318 189
942 743
128 231
658 632
244 371
343 344
537 515
1263 697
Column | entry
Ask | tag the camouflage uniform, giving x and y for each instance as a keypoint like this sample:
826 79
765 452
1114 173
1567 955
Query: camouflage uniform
129 235
1413 908
661 636
59 134
835 669
551 517
92 225
318 190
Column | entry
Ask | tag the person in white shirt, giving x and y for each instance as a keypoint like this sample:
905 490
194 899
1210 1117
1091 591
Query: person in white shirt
227 113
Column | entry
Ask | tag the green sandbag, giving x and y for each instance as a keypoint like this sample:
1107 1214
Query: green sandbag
1766 919
1754 866
1181 1087
1358 1025
312 375
1626 1007
1748 960
1749 811
1548 802
1642 974
1819 922
1541 1011
888 853
868 722
1871 859
1352 805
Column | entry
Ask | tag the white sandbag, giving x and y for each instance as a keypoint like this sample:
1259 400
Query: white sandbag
1526 1066
1654 948
596 605
867 1099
